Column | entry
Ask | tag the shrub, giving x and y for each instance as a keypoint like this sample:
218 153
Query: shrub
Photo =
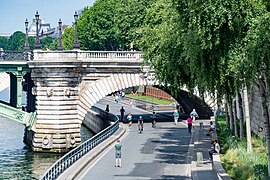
237 162
261 171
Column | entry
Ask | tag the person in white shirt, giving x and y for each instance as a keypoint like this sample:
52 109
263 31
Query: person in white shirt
216 149
212 127
193 115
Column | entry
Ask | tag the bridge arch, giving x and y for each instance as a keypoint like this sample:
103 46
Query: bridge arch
99 89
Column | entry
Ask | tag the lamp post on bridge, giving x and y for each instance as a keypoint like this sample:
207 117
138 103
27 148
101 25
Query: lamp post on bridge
60 48
37 44
76 42
26 49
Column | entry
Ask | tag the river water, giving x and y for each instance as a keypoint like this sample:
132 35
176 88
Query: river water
16 160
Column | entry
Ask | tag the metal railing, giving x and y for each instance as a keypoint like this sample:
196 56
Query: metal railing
15 114
9 55
74 155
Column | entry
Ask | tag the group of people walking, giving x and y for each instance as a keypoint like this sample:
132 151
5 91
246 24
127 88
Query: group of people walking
215 148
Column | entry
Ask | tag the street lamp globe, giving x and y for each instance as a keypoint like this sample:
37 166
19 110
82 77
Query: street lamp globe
26 23
76 16
37 16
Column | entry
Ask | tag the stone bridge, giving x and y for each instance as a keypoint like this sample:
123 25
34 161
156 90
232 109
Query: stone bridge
61 88
68 83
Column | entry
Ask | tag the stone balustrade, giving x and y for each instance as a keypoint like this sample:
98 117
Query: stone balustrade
89 55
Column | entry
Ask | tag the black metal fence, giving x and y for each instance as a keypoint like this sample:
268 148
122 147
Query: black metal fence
71 157
9 55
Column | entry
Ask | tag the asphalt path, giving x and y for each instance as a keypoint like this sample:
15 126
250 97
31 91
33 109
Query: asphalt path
157 153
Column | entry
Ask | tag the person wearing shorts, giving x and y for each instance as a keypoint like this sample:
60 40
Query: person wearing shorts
118 147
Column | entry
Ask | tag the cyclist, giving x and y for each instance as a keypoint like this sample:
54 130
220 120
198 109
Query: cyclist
140 124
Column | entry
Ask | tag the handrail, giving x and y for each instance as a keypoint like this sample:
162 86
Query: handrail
20 116
74 155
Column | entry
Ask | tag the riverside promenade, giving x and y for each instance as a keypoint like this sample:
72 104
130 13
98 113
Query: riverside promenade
165 152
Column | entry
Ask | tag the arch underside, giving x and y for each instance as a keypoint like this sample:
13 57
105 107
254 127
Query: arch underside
101 88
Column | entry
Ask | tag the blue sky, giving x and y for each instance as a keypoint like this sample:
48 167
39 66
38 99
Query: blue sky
14 12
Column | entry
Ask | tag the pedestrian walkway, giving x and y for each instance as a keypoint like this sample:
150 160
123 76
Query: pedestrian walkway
157 153
165 152
202 170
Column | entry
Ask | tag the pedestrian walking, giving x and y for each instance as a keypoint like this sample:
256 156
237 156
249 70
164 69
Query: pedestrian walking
175 116
189 121
129 119
118 147
154 119
194 115
107 108
122 112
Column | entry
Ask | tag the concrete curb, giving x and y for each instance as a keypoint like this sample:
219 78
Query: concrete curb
218 168
78 167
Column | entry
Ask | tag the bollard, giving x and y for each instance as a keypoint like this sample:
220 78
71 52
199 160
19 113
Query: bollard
201 126
199 159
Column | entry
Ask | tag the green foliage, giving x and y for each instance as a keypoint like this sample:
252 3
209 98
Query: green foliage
16 41
149 99
161 42
68 38
45 43
257 46
3 42
96 26
261 171
109 25
53 46
237 162
31 41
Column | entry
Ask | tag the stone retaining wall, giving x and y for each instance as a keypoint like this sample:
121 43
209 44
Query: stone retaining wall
94 122
256 117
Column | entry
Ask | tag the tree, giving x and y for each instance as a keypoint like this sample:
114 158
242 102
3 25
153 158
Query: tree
257 52
109 25
96 26
16 41
45 42
3 42
68 38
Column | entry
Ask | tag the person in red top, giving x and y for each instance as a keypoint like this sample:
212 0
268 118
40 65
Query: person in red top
189 121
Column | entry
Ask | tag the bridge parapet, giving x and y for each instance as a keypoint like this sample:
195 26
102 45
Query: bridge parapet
89 55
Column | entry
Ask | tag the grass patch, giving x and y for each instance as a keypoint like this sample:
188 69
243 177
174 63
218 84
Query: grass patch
149 99
237 162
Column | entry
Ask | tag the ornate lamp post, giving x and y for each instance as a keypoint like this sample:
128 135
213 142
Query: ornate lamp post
60 48
76 42
37 44
26 47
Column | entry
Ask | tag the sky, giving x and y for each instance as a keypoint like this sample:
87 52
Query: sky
14 12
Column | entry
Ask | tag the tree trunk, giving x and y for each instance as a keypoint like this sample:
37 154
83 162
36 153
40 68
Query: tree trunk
245 102
226 112
239 110
235 118
231 116
266 118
